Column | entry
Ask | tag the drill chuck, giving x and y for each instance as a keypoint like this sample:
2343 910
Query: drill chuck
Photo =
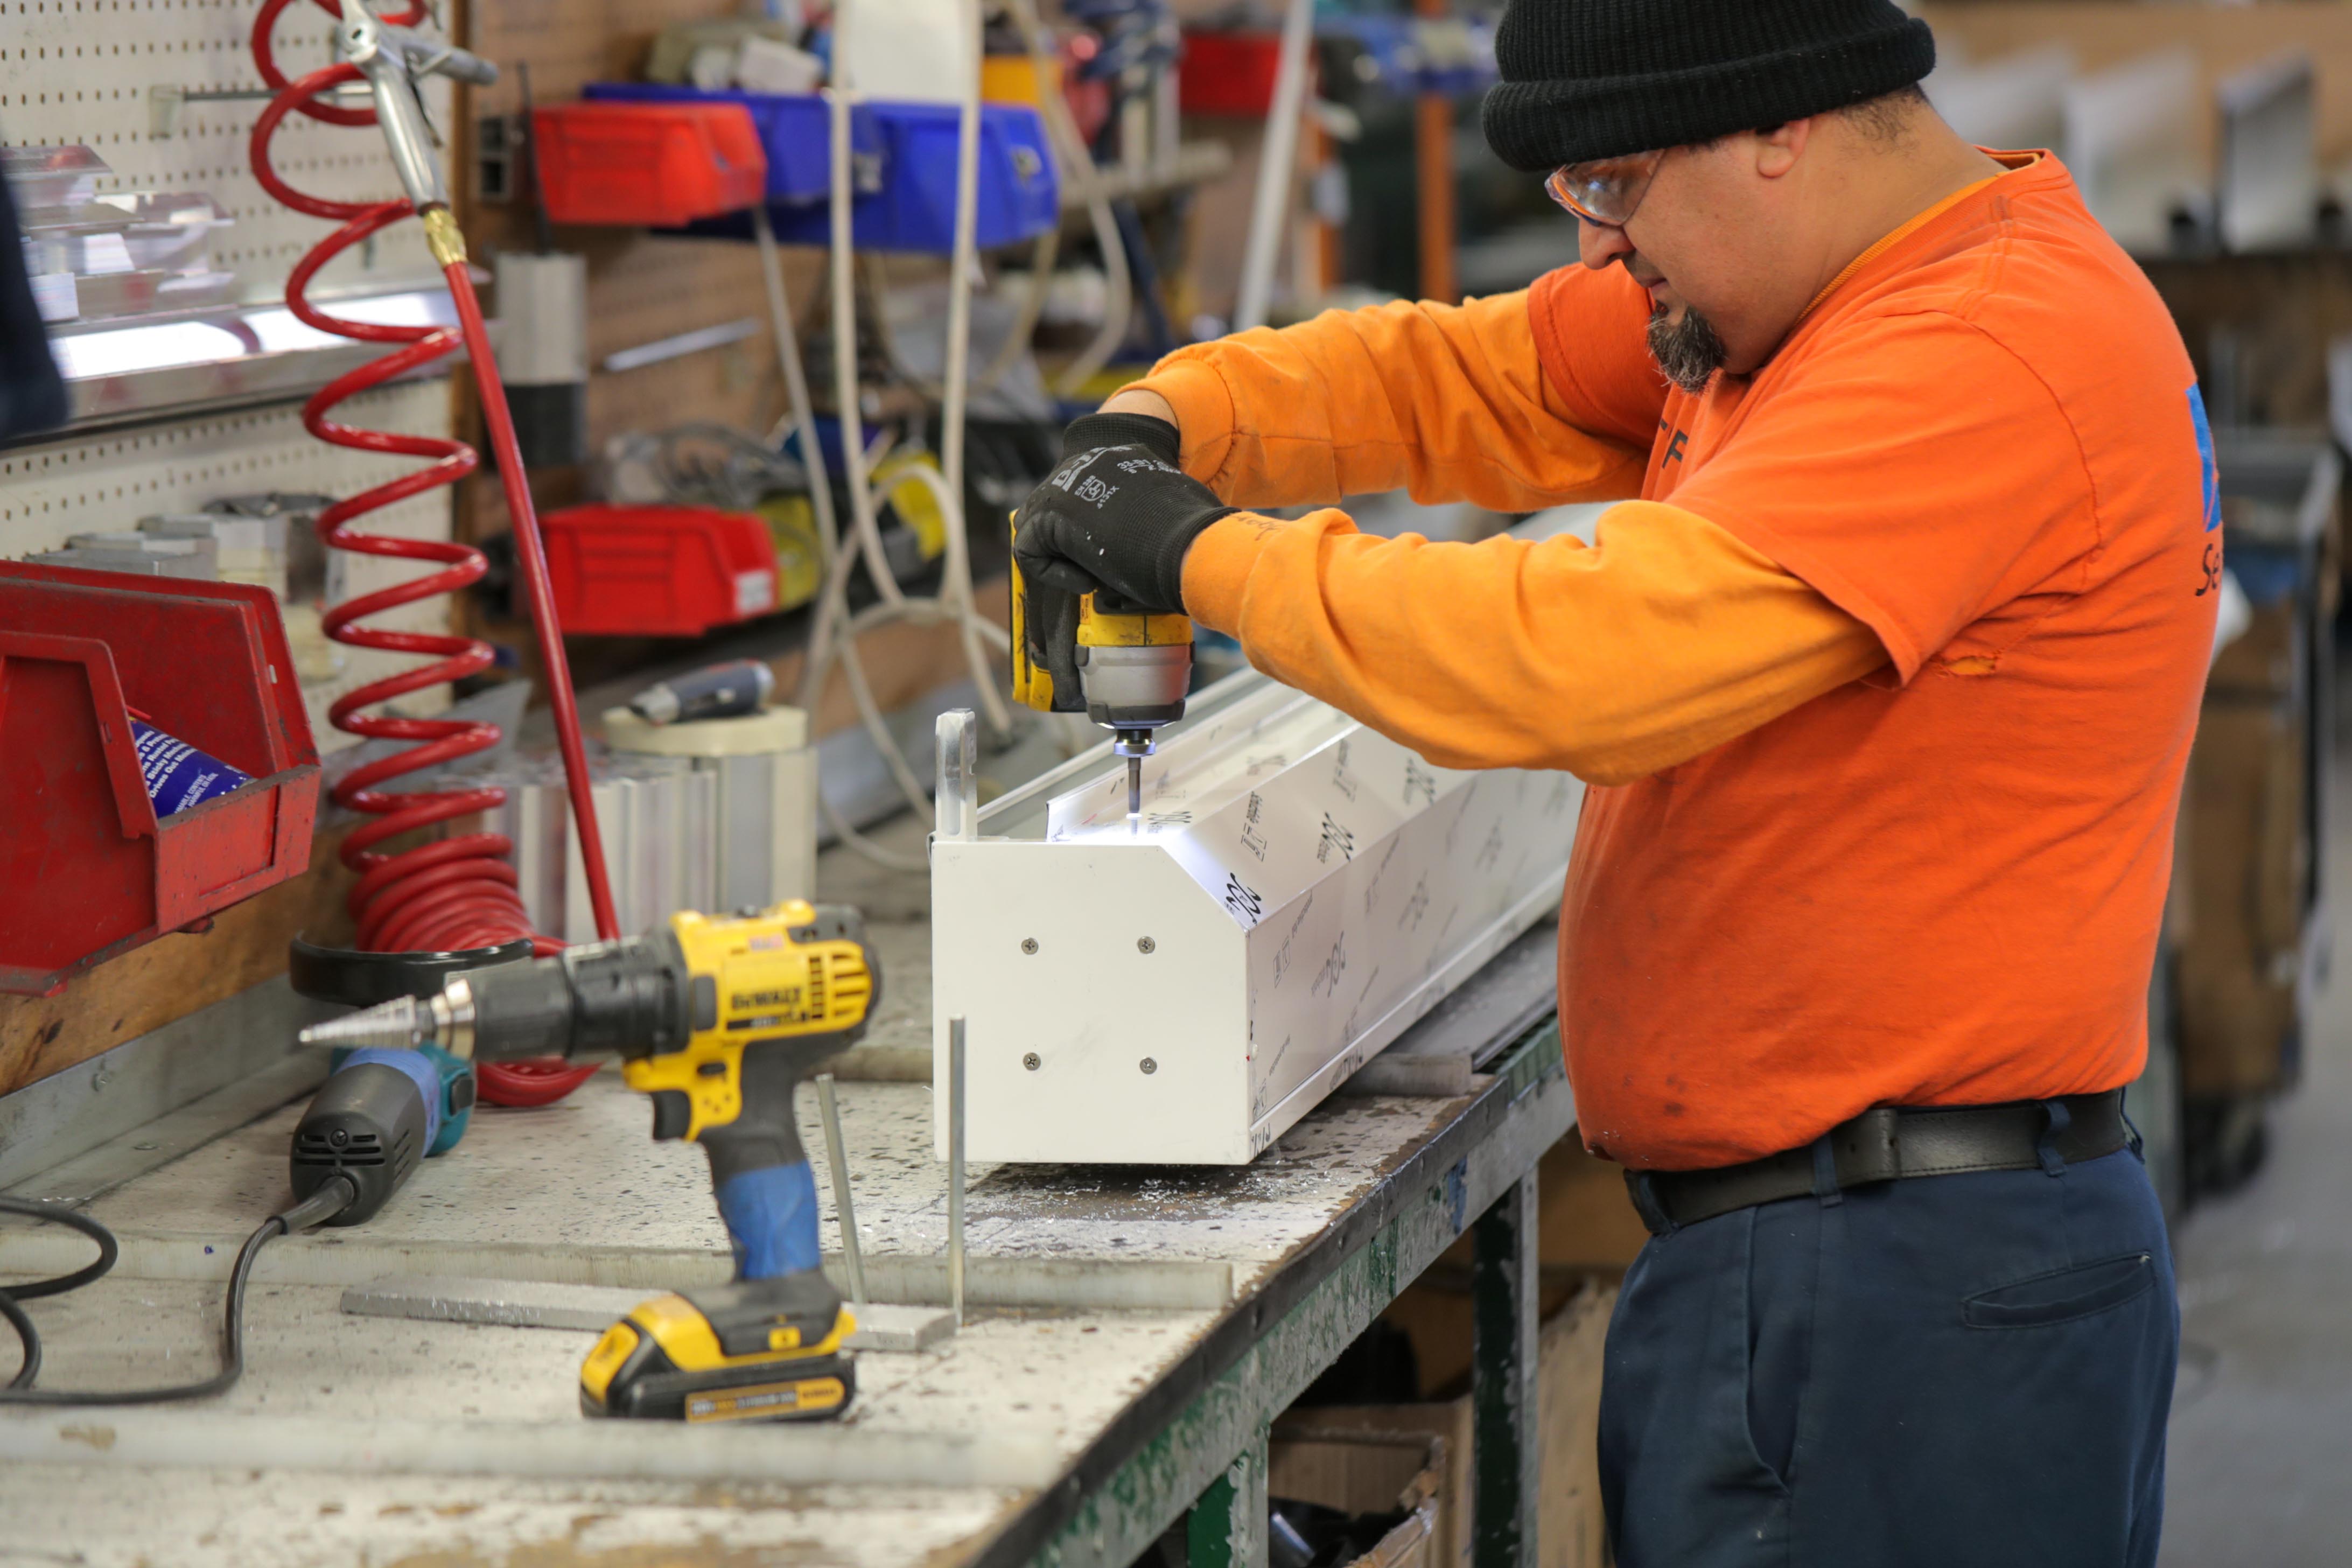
635 998
1135 688
1133 692
624 997
1127 670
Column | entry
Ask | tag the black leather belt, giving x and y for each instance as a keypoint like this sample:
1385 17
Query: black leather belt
1886 1144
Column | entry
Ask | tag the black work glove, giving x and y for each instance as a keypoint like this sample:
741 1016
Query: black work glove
1116 517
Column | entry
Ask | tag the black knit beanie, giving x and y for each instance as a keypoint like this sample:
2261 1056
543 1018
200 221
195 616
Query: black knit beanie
1600 78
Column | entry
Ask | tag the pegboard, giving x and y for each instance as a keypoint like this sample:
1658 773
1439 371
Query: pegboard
82 71
48 493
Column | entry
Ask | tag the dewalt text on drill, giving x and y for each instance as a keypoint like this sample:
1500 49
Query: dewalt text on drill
717 1018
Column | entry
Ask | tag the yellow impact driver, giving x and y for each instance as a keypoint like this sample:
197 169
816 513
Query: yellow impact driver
717 1018
1127 672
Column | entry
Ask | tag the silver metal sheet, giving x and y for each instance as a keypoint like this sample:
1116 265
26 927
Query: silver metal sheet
206 358
699 842
592 1309
119 1092
747 835
515 1303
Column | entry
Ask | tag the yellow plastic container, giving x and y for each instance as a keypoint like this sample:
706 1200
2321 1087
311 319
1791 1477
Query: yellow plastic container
913 500
800 555
1013 79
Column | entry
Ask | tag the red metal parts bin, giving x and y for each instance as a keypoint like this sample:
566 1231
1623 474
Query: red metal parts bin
660 165
658 570
87 869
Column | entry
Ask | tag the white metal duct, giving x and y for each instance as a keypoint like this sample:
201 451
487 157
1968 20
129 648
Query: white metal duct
1300 890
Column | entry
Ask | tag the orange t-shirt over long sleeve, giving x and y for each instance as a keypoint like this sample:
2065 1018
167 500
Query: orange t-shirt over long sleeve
1920 867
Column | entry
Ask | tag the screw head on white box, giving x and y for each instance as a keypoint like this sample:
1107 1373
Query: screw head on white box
1033 1061
1149 1065
1145 944
1028 944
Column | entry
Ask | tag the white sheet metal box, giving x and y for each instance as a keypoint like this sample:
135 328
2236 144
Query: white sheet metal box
1300 890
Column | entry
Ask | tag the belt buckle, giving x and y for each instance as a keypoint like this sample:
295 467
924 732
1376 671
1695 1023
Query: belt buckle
1868 1147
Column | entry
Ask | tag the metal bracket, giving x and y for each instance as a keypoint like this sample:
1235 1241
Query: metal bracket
1503 1392
682 345
1227 1527
957 800
164 101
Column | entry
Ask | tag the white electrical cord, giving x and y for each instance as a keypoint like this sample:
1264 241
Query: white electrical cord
1071 156
956 586
1277 164
1077 162
1008 354
802 414
837 562
834 634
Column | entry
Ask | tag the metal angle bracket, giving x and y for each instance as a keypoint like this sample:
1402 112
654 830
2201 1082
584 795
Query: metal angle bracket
165 100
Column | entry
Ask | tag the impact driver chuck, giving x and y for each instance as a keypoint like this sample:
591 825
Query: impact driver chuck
717 1018
1127 670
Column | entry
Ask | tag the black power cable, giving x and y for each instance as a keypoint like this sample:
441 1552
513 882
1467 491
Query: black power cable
324 1204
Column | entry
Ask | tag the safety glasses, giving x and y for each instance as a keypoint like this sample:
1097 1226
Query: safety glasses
1606 191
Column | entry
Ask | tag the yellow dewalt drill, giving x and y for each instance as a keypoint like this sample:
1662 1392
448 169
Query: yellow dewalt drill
1127 672
717 1018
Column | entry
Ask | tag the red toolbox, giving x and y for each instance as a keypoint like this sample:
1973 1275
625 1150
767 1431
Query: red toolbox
87 869
659 165
658 570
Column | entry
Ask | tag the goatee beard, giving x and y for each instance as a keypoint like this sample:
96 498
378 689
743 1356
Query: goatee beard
1687 351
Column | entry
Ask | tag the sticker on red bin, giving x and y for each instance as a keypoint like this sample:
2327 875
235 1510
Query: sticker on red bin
176 774
755 593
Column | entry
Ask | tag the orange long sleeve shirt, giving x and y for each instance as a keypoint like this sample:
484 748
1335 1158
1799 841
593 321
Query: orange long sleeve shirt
1665 639
1888 676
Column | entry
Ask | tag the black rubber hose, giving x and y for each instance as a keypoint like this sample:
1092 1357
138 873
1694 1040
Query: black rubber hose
72 1219
28 1336
318 1209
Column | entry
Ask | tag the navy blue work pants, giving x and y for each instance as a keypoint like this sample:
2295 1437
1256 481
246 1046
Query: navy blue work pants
1946 1372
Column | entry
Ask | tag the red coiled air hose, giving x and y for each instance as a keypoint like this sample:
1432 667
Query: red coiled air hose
459 892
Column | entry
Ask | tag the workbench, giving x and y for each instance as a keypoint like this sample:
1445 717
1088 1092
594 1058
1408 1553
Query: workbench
1132 1330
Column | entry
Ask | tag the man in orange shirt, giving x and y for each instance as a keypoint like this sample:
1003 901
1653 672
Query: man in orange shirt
1886 672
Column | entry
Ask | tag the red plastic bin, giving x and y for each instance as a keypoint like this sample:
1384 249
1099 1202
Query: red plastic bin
1228 73
658 570
657 165
87 869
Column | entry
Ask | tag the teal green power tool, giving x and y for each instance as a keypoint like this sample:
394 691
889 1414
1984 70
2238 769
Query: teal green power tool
383 1108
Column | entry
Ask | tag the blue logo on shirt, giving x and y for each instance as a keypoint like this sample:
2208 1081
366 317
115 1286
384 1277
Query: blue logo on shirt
2205 455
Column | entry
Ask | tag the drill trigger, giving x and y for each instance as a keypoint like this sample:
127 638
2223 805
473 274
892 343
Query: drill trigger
673 1114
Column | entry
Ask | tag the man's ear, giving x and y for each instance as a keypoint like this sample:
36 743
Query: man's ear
1778 150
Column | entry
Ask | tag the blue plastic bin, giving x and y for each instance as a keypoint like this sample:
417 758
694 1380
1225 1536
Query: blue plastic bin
903 164
796 129
1020 196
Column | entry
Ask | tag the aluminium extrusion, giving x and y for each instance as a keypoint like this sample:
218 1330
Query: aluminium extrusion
1301 891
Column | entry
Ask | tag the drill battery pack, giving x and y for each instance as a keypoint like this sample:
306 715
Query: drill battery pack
757 1349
